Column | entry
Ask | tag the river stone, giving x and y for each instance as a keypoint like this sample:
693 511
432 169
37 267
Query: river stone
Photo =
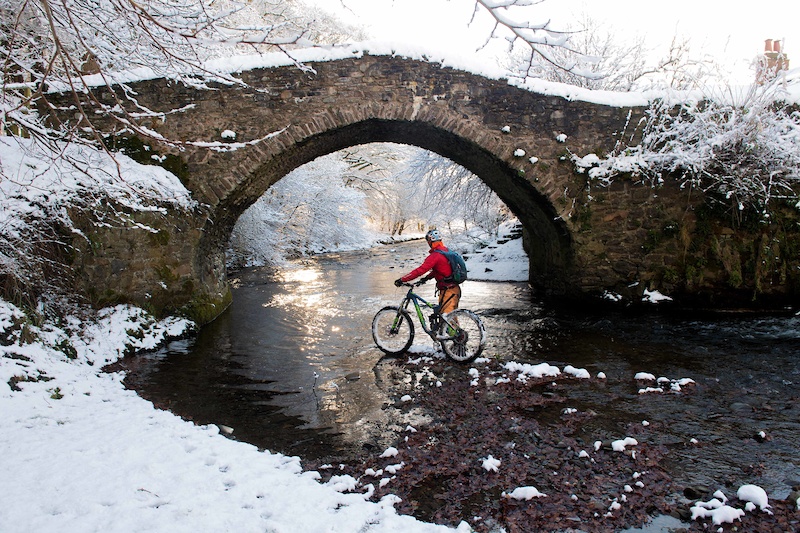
696 492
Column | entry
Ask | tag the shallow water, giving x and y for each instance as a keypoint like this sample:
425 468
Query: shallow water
291 367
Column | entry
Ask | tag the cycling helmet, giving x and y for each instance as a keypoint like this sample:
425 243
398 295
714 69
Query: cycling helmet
433 235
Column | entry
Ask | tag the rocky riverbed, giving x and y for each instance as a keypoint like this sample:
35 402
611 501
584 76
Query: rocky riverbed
476 434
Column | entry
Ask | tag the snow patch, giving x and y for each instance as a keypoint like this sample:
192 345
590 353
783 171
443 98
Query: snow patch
524 493
527 371
490 464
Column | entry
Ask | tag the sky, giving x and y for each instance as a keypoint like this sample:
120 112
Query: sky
716 28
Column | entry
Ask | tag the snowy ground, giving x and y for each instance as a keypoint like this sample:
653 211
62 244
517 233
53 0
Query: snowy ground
505 261
81 453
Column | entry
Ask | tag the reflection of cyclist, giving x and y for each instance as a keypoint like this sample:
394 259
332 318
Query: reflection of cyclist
439 267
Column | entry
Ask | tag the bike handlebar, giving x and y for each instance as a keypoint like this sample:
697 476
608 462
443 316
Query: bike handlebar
416 284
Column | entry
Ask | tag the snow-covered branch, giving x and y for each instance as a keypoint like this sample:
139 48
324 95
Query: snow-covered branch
540 39
56 43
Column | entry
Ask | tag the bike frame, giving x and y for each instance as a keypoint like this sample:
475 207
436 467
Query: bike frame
420 302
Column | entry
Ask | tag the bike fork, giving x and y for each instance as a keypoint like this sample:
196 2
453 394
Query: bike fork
398 319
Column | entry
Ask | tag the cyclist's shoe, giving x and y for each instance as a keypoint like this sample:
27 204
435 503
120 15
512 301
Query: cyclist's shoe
450 334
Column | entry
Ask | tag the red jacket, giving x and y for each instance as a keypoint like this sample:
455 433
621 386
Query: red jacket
436 263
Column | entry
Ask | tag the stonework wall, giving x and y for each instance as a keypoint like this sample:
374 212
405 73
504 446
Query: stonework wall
583 240
147 258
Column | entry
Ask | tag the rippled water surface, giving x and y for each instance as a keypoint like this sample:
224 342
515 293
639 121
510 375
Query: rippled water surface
291 367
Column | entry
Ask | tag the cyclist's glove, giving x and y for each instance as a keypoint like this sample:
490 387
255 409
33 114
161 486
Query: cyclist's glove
398 282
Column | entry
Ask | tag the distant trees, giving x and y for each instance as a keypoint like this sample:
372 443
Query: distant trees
380 170
451 195
355 197
313 209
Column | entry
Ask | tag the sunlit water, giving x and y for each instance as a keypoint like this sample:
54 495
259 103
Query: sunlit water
291 367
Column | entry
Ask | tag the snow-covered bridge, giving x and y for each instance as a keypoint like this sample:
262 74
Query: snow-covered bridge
581 239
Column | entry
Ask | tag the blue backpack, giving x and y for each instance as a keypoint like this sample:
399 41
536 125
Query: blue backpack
458 266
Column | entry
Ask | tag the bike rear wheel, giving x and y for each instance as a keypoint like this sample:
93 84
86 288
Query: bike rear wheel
392 330
468 339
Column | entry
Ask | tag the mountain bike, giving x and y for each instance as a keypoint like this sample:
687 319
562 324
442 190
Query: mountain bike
461 333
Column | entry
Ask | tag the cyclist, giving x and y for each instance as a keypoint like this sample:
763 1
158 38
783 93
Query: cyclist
439 268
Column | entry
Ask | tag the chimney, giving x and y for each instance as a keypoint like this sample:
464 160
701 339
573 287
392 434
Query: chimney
772 62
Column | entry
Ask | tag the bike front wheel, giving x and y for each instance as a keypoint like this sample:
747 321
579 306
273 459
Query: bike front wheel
392 330
466 336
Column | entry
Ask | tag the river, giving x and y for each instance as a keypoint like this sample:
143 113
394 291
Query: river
291 367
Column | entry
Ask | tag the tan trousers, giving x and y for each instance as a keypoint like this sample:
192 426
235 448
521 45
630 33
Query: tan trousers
449 298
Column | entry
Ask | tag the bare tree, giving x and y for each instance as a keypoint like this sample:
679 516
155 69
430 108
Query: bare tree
50 44
390 193
614 65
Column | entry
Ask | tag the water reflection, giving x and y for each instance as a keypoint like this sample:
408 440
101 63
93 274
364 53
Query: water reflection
293 355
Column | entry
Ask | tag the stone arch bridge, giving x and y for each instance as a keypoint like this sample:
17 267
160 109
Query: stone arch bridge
581 240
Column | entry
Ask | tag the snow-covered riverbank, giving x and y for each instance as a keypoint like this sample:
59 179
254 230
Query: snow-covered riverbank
82 453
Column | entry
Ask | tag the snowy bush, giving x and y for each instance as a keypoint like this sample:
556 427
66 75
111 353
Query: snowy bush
745 155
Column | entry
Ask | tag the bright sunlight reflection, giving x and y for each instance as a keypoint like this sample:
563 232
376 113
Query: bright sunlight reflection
306 292
304 275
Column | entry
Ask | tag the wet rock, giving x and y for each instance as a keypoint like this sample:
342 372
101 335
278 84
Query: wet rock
442 480
741 407
697 492
793 482
683 513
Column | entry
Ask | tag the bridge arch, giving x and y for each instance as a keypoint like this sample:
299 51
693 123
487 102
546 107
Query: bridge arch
480 123
547 239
